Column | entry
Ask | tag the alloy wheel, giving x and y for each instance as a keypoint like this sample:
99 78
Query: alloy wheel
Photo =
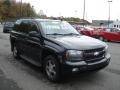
50 69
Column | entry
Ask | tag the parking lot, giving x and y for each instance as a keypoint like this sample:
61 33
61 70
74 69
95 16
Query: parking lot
20 75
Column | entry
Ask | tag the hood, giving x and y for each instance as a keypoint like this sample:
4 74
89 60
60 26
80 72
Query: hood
79 42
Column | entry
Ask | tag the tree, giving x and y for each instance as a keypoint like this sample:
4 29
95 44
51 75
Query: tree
10 9
0 9
5 9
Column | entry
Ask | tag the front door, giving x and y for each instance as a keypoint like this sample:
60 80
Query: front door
33 43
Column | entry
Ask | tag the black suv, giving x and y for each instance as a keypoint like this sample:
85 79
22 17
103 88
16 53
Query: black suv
57 47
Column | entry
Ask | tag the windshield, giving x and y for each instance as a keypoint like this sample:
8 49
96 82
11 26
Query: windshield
58 28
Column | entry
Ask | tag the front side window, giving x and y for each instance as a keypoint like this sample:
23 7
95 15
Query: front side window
57 27
33 27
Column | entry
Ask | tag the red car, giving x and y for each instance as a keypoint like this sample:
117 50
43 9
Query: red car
88 31
111 34
92 32
104 34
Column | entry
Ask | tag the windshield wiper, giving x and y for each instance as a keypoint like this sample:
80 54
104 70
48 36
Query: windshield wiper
71 34
55 34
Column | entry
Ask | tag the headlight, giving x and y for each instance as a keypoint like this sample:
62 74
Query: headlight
74 55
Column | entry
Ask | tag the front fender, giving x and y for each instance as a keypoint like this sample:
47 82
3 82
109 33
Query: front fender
53 47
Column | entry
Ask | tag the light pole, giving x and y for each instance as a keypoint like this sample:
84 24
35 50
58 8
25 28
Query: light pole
83 13
109 1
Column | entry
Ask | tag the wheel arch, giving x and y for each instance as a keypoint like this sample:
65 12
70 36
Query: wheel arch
50 51
12 41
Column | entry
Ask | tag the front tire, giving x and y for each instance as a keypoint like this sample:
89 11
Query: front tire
52 68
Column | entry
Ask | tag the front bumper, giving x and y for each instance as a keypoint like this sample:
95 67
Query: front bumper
84 66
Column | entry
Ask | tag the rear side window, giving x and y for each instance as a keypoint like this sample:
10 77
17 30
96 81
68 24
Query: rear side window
24 27
16 27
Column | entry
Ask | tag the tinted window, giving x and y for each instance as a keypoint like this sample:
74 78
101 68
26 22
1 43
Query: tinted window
21 27
17 25
33 27
24 27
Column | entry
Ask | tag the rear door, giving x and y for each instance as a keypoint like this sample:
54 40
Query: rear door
20 34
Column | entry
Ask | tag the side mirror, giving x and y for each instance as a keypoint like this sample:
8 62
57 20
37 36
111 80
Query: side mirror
34 34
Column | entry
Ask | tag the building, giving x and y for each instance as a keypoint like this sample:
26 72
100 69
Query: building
115 24
106 24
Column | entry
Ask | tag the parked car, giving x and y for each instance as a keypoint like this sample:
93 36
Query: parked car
88 31
7 27
57 47
92 32
78 27
110 34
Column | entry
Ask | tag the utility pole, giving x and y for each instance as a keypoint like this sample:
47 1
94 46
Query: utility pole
84 13
109 1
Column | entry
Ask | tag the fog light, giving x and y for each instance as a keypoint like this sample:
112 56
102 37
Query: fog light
75 69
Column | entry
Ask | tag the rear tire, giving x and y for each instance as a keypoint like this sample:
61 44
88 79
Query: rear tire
15 52
52 68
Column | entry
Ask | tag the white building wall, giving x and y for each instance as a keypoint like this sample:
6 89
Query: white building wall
115 24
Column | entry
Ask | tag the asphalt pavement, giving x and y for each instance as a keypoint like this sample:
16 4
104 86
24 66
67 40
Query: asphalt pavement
21 75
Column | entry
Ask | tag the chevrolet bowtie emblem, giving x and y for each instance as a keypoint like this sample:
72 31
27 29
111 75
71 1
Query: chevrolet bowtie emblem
96 53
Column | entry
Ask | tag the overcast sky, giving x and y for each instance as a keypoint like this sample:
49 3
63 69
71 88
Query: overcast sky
95 9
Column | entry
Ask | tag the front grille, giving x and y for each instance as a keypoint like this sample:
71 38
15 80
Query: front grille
94 55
